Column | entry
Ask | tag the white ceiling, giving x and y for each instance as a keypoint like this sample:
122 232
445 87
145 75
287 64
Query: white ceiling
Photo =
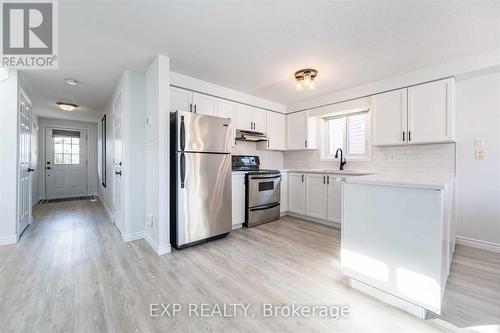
256 46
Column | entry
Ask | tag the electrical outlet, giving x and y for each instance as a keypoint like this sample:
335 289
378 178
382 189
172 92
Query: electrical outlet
149 220
479 154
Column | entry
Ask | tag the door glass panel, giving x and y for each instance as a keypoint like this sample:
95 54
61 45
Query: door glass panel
66 150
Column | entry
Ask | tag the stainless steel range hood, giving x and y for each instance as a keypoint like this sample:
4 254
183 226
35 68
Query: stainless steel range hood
243 135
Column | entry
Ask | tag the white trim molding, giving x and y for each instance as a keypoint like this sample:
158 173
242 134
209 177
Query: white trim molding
7 240
133 236
106 207
158 249
478 244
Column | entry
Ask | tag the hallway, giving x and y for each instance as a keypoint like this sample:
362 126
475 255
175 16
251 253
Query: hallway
72 272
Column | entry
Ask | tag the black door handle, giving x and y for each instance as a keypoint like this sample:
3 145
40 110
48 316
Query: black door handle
48 168
31 170
118 173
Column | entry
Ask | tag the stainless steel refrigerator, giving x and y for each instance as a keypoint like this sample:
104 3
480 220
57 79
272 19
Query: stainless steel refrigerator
200 185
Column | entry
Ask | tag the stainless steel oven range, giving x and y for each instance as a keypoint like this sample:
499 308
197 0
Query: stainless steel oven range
263 190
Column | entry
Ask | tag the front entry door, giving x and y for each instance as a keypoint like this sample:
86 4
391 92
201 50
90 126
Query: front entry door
65 163
24 199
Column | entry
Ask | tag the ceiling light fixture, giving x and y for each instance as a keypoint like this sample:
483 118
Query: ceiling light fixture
67 106
305 78
71 82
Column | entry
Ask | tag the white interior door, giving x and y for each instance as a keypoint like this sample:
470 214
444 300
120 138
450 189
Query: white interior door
65 163
24 199
117 162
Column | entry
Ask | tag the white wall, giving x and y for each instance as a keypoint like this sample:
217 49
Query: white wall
157 194
106 193
478 181
92 178
8 158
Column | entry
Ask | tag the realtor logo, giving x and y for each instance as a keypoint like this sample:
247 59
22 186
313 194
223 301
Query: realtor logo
29 34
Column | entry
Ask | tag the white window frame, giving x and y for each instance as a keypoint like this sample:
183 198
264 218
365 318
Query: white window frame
324 154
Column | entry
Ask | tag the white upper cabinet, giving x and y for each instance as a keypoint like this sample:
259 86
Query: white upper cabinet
301 131
249 118
390 117
204 104
180 99
430 112
276 125
244 117
316 195
259 120
227 109
419 114
296 193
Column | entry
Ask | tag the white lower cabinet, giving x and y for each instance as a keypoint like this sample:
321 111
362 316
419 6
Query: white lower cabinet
238 199
284 192
334 201
296 193
316 194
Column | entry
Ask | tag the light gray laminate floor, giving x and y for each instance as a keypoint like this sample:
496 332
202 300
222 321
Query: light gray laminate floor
72 272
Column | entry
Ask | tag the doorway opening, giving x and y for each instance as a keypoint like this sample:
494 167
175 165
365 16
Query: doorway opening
66 163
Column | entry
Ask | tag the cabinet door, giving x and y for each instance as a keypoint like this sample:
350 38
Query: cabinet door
334 205
244 117
296 193
180 99
390 118
276 130
296 130
204 104
430 112
238 198
227 109
316 191
259 120
284 192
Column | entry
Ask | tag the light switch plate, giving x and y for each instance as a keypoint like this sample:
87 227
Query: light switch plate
479 143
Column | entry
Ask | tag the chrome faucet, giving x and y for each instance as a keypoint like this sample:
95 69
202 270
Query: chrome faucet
342 159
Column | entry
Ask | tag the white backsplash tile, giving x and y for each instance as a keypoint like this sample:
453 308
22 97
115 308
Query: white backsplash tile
268 159
438 159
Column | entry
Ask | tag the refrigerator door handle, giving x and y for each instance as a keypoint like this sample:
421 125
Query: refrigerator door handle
182 134
183 169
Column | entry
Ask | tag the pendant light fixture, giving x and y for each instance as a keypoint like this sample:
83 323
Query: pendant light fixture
305 78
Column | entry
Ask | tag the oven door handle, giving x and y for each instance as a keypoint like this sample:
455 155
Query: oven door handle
264 207
264 177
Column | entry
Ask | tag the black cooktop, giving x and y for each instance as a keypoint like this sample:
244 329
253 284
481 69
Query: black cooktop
250 164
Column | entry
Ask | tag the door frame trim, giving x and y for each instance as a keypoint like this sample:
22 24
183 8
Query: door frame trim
44 154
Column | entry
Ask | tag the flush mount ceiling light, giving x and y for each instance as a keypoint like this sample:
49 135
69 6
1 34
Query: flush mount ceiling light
305 78
67 106
71 82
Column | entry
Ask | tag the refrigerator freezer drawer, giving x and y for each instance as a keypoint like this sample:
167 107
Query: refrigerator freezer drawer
203 197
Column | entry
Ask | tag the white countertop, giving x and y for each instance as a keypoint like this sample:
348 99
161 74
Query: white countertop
333 171
413 181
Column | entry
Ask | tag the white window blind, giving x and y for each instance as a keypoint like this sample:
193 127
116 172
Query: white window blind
347 132
356 134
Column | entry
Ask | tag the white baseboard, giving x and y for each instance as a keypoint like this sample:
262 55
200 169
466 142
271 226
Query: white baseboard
133 236
7 240
237 226
478 244
108 210
313 219
400 303
159 250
